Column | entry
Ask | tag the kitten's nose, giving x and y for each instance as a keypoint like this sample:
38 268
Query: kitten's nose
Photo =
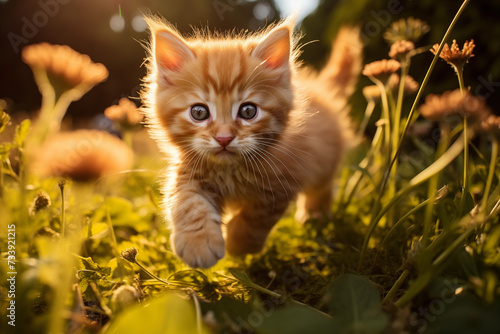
224 141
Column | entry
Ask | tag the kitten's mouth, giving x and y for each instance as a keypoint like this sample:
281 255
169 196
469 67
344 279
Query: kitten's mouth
224 153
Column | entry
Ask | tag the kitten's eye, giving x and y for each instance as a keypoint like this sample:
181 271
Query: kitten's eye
200 112
247 111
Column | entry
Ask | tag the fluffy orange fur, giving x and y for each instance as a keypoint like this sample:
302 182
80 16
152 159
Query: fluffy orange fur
245 129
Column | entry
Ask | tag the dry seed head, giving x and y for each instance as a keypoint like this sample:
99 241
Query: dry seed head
62 62
83 155
129 254
381 69
400 49
41 201
445 107
454 56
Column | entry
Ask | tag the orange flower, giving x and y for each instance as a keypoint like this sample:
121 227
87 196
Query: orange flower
64 63
83 155
371 93
410 29
453 55
124 113
400 49
444 107
491 125
411 86
382 69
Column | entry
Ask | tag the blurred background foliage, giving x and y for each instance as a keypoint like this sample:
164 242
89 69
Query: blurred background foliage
95 27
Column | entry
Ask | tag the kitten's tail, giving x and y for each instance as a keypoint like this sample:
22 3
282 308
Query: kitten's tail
342 70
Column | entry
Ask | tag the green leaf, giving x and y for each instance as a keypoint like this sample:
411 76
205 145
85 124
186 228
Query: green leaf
295 319
355 304
4 120
166 314
22 131
4 151
462 314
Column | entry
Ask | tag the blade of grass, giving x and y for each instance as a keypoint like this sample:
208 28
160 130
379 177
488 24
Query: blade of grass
450 155
416 102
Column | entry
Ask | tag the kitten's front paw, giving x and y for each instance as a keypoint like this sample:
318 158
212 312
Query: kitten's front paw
201 248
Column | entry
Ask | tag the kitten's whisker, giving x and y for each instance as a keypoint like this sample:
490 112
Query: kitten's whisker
274 171
288 154
269 154
261 191
281 145
257 161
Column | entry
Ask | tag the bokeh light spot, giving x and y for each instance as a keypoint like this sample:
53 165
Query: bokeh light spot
263 10
138 23
117 23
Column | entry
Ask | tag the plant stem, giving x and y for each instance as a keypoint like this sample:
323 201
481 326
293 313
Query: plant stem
465 189
63 208
423 176
366 118
396 286
1 179
403 219
491 173
420 93
111 231
433 185
458 241
151 274
354 181
197 308
386 115
460 75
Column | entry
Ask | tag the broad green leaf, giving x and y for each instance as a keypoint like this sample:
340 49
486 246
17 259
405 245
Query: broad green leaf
99 228
292 320
166 314
22 131
457 315
355 304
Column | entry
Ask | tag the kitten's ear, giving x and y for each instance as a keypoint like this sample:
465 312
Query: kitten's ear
171 51
274 49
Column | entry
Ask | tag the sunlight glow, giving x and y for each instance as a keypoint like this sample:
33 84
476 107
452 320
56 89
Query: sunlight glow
302 7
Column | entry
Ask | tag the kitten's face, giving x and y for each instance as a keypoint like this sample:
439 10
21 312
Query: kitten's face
223 99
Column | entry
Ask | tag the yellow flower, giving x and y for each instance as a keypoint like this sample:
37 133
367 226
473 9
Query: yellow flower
400 49
447 106
63 63
125 113
83 155
382 69
410 29
453 55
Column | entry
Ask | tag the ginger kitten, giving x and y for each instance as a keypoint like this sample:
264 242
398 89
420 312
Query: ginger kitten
245 130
